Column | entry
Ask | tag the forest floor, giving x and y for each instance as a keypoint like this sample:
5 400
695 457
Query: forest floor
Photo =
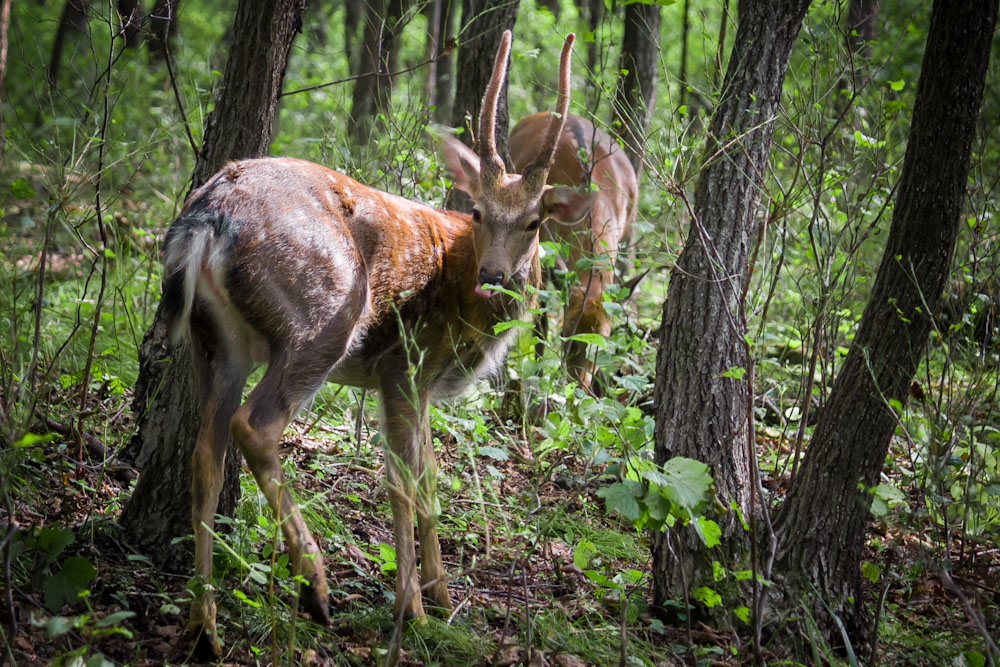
520 596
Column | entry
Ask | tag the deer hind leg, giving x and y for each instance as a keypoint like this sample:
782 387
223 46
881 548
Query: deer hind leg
432 574
256 428
220 382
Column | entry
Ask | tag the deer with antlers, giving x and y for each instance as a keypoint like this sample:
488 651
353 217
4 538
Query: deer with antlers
585 156
288 263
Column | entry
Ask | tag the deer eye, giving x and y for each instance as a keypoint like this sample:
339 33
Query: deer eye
533 225
476 215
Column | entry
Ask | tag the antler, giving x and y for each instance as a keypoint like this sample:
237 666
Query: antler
535 173
492 168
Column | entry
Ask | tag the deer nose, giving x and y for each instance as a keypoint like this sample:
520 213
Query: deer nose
490 278
487 277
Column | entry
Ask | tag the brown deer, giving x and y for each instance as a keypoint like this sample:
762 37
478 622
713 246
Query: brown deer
288 263
585 155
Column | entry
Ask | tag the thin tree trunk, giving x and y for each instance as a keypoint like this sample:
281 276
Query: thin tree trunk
162 27
822 522
373 90
636 94
444 81
73 19
165 403
130 15
701 409
484 24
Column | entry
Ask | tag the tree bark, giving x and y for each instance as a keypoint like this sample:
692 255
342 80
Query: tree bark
377 61
130 15
636 93
73 19
700 413
165 402
162 27
861 15
822 522
484 25
444 79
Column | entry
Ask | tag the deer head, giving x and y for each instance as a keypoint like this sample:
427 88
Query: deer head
509 209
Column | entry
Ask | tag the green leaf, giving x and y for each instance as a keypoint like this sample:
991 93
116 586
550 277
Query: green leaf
60 625
21 189
709 531
114 619
78 571
583 552
622 497
742 613
734 372
871 572
897 85
707 597
685 482
495 453
500 327
589 339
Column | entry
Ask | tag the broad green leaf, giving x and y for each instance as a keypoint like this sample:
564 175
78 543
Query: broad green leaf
622 497
495 453
707 597
588 339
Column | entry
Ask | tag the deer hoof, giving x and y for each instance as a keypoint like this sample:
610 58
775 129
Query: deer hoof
205 643
314 601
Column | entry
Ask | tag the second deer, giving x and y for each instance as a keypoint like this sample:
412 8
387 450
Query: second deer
585 156
287 263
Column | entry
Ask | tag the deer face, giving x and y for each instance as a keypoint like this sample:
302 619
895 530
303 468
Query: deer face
510 208
507 215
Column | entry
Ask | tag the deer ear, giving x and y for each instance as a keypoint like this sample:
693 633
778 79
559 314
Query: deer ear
463 164
566 205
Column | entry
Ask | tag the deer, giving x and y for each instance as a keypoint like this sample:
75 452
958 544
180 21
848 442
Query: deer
287 263
585 155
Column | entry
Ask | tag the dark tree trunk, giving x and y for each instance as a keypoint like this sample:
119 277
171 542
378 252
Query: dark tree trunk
444 78
162 27
861 15
73 19
240 126
594 10
352 19
130 14
700 413
822 522
377 61
484 25
637 90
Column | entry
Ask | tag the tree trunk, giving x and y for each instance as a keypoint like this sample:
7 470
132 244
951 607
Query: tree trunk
822 522
484 25
162 27
637 91
861 16
379 50
700 413
130 15
73 19
444 79
165 404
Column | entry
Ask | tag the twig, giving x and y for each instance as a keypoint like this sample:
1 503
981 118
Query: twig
102 230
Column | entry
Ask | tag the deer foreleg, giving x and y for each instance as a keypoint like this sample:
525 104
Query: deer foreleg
401 420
